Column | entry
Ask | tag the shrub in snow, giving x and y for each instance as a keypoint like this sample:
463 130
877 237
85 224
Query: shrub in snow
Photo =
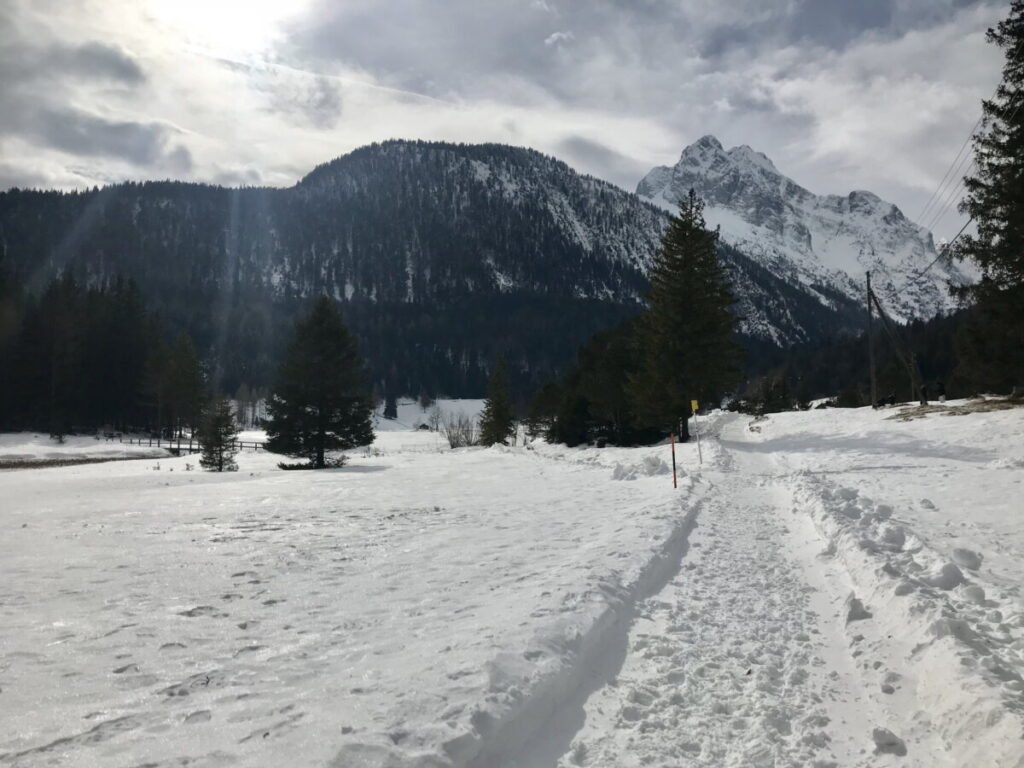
434 417
459 430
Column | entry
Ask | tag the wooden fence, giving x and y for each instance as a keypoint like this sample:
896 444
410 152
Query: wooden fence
181 444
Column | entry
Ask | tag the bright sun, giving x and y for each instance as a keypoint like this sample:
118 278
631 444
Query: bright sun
227 27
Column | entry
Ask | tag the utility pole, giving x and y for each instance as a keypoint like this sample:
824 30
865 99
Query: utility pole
909 363
871 348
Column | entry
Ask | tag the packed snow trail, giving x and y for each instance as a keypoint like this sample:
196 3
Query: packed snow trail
759 652
726 665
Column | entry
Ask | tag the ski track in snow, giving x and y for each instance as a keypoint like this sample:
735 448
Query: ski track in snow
807 628
727 665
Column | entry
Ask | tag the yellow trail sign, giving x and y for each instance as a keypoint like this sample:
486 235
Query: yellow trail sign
693 406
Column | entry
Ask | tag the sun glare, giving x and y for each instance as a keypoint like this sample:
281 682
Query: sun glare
227 27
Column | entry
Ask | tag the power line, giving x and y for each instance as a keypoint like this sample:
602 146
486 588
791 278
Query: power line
942 192
956 161
951 197
962 185
956 169
942 252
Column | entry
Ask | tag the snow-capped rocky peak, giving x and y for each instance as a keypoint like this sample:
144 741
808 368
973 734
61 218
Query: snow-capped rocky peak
817 240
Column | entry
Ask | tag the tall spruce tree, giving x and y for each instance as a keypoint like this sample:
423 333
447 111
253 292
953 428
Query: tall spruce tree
218 434
321 402
991 346
688 350
498 421
185 385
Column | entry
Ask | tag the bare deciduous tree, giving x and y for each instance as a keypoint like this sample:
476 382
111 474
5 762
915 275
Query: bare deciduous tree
460 430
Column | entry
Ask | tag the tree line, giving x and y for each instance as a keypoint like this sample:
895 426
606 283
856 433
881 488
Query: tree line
80 358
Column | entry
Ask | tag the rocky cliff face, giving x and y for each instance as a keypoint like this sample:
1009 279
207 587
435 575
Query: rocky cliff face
815 241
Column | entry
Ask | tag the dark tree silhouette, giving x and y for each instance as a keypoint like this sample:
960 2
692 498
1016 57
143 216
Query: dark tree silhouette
321 402
498 420
218 434
687 335
991 346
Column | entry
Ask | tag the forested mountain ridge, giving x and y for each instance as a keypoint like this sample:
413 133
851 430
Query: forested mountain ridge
445 256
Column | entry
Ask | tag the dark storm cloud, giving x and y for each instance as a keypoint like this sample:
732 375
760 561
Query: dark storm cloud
603 161
465 46
15 175
837 22
38 86
96 60
79 133
427 48
22 63
248 177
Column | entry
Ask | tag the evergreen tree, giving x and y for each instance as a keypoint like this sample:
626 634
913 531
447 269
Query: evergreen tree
321 402
391 406
155 394
498 421
688 351
185 385
540 417
62 312
218 436
991 346
605 366
244 398
572 421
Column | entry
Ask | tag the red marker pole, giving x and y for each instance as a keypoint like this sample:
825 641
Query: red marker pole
672 436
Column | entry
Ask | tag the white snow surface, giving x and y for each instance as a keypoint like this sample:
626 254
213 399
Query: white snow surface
820 617
32 446
409 609
412 416
817 240
830 588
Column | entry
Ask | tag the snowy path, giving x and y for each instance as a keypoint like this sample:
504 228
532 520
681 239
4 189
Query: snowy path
761 652
727 665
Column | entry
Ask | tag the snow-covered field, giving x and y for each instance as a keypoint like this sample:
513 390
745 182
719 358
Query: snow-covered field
830 588
412 416
22 447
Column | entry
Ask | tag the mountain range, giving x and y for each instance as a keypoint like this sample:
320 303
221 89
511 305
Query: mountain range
812 240
447 255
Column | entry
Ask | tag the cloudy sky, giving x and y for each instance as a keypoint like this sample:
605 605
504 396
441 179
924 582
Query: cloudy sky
841 94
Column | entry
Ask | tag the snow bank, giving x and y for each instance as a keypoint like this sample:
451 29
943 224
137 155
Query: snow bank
960 644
